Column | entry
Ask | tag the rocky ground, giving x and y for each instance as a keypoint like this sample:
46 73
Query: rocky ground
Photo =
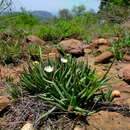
115 116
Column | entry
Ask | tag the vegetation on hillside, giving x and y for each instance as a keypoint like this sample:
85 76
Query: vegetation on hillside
63 82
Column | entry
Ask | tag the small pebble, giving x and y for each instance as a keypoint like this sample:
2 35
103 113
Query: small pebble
79 128
116 93
28 126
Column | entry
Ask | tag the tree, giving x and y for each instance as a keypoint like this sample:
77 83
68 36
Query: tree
5 4
78 10
107 3
115 10
65 13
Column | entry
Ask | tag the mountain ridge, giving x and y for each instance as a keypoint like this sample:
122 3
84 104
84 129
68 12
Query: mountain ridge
41 14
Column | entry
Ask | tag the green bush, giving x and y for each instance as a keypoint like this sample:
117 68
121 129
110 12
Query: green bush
65 84
18 21
9 52
119 47
118 50
96 30
60 30
87 27
33 49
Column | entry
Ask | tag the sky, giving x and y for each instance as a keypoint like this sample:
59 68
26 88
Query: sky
54 6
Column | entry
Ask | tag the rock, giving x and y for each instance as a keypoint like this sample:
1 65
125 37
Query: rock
72 46
103 48
79 128
28 126
116 93
112 39
70 108
126 57
105 120
4 102
97 42
87 51
101 41
35 39
104 56
125 72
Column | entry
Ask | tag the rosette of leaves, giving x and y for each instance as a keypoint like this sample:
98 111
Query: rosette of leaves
70 86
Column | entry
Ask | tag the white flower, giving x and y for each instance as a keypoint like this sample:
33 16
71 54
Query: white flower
48 69
63 60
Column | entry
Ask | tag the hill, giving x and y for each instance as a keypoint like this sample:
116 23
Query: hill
42 14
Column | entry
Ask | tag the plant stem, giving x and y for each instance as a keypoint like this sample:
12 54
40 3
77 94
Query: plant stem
43 115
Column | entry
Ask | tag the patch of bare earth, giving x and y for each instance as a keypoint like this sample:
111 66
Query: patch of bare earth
26 110
104 120
12 72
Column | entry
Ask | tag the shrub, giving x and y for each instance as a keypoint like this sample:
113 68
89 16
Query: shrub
119 47
114 12
60 30
33 49
9 52
23 20
96 30
86 27
117 50
65 83
26 19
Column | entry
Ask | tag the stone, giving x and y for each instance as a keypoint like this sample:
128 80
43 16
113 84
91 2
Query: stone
35 39
70 108
4 102
116 93
79 128
28 126
112 39
87 51
103 48
104 56
72 46
97 42
101 41
125 72
126 57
